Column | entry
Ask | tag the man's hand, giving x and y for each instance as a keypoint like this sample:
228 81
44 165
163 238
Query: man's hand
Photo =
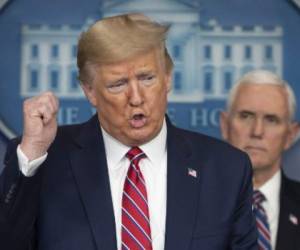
40 124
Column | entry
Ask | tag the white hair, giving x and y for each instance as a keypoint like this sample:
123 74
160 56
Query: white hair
267 78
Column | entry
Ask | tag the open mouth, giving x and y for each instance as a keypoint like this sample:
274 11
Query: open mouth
138 120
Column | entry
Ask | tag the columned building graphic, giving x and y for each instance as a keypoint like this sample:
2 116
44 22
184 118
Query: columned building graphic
208 57
49 60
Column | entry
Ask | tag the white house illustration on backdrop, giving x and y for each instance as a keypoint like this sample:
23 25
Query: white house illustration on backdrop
208 58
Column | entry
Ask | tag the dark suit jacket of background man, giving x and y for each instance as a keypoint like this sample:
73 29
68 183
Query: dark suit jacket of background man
74 210
288 235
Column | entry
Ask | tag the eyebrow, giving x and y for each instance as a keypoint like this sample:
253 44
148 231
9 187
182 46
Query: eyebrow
264 115
122 79
143 74
245 111
274 116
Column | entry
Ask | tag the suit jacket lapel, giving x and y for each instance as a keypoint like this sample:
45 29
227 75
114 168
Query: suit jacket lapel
89 165
288 233
181 192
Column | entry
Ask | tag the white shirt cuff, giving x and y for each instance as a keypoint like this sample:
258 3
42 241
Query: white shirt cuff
29 168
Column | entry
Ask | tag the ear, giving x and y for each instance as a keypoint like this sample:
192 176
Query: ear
168 80
294 130
224 120
90 93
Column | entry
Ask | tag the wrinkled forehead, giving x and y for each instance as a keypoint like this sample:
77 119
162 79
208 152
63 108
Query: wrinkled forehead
150 61
142 59
266 98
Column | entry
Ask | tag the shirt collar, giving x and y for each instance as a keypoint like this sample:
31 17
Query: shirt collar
114 149
271 189
154 149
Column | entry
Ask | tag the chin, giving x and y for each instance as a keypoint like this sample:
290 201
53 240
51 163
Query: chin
141 137
258 165
136 142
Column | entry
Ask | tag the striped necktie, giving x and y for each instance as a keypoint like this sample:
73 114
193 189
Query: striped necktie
136 232
264 236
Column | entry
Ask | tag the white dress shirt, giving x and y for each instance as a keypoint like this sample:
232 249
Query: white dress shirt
153 168
271 190
29 168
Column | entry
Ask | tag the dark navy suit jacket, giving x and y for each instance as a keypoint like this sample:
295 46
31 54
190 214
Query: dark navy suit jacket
288 235
67 205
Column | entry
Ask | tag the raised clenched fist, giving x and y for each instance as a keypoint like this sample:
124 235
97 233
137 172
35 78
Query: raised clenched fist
40 125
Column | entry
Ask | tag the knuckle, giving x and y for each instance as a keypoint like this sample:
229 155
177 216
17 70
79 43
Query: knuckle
26 105
49 94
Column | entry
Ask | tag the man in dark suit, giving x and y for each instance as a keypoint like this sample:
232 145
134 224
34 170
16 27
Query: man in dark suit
260 121
127 178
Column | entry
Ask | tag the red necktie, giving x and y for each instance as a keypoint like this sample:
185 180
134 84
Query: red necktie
136 232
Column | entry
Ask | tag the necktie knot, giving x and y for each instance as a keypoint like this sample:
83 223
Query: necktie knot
258 197
262 223
135 154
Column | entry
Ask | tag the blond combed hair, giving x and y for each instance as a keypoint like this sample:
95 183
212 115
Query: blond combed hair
118 38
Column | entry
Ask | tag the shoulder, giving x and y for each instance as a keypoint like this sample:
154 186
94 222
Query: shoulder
291 188
75 128
69 133
210 145
215 155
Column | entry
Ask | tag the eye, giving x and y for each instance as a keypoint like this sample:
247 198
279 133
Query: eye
118 86
245 115
272 119
147 79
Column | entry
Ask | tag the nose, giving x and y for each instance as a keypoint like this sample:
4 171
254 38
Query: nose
135 94
258 128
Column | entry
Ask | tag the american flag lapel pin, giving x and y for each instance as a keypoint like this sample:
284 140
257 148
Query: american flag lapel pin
192 172
293 219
